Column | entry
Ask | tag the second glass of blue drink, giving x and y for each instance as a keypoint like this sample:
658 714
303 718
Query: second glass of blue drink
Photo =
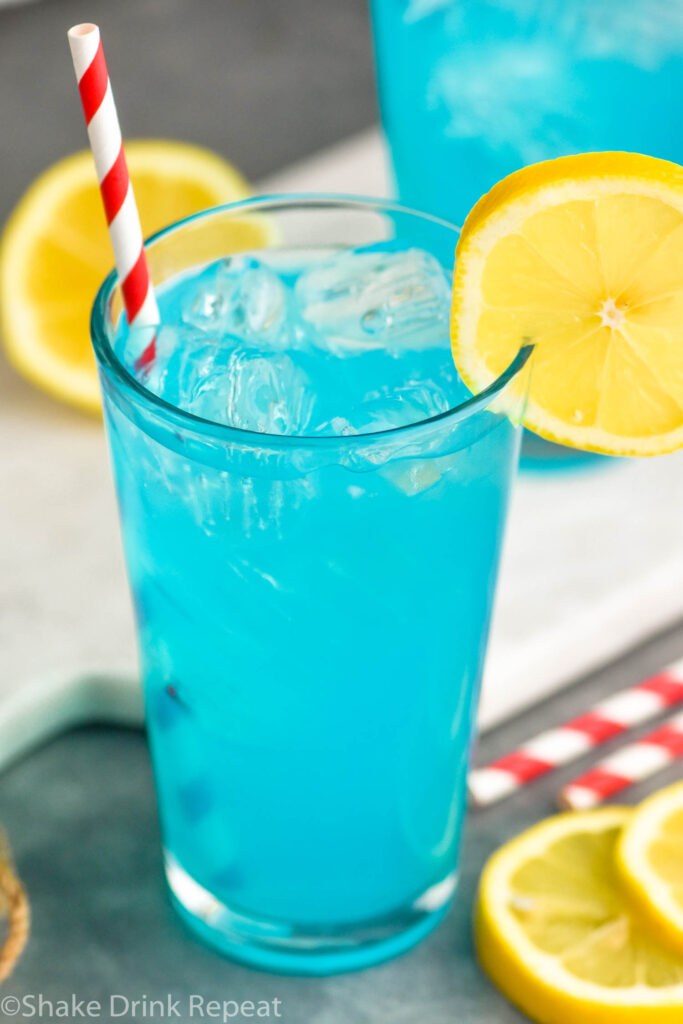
312 507
489 86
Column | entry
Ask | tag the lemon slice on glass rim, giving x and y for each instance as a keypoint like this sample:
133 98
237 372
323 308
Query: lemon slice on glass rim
581 257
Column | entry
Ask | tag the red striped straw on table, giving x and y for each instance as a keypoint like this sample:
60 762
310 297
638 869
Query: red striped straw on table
631 764
606 720
120 209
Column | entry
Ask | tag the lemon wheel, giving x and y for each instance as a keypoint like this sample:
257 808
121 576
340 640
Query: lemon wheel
557 936
55 251
650 861
582 257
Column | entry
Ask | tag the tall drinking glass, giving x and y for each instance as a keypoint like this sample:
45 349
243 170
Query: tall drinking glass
312 507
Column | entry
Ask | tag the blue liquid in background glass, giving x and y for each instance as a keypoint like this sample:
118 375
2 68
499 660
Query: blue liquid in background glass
312 630
472 90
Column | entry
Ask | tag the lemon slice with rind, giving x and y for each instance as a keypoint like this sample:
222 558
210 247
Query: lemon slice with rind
650 861
55 252
556 935
583 258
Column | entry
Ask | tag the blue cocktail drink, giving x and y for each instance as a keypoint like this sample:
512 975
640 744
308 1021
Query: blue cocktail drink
472 90
312 507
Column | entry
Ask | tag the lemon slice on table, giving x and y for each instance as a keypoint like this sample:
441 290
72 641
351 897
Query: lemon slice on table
556 935
583 258
55 252
650 861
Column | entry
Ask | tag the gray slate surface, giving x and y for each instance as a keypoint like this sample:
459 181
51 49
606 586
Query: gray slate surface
80 814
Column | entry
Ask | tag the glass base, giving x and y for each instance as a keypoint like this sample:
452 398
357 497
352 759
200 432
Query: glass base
294 949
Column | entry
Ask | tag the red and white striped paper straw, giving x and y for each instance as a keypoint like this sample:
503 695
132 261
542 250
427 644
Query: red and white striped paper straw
549 750
112 173
622 769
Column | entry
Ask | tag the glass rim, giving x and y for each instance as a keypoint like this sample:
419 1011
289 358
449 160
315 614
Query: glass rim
211 430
